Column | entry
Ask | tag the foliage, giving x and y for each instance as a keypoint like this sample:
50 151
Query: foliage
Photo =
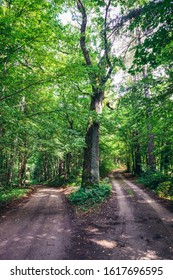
9 194
86 198
156 22
165 190
46 89
152 180
160 183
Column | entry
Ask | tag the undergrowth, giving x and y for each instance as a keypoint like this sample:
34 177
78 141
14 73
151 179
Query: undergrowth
86 198
9 194
161 184
62 181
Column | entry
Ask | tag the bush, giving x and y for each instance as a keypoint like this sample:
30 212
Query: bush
160 183
7 195
56 181
152 180
164 190
106 167
86 198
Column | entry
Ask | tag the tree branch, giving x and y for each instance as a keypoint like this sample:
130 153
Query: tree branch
109 106
83 92
105 36
69 121
106 48
82 10
119 21
18 49
105 55
22 9
43 113
20 90
26 64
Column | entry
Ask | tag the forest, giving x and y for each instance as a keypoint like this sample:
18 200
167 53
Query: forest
86 87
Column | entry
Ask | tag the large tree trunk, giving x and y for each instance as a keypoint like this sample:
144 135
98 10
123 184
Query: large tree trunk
22 170
151 159
90 175
68 166
98 80
10 169
45 169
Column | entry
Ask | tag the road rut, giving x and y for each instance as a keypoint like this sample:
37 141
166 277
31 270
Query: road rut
38 229
130 225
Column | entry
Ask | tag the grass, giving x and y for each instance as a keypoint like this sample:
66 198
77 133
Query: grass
130 192
87 198
8 195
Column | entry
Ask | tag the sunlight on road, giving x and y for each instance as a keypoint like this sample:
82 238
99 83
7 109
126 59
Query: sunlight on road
105 243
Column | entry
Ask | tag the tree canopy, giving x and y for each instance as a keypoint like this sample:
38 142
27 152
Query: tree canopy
85 86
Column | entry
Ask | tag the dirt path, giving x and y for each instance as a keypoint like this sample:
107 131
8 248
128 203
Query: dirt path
37 229
131 225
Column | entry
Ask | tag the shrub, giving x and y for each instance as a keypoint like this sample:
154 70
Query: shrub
160 183
152 180
86 198
164 189
6 195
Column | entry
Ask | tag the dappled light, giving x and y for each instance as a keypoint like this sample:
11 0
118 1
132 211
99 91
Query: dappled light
86 138
105 243
116 231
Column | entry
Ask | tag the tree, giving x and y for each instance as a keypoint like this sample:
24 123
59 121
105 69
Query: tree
150 67
56 79
100 69
27 64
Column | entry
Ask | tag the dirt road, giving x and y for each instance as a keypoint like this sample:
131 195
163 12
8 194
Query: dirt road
37 229
131 225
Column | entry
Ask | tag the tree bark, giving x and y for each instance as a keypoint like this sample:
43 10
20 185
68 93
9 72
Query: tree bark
68 165
22 170
45 169
90 175
137 155
10 169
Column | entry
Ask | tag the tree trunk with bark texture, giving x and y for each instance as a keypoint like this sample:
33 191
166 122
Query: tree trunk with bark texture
22 170
137 155
90 175
98 80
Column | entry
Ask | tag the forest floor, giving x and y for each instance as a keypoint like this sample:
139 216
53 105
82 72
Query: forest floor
132 224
